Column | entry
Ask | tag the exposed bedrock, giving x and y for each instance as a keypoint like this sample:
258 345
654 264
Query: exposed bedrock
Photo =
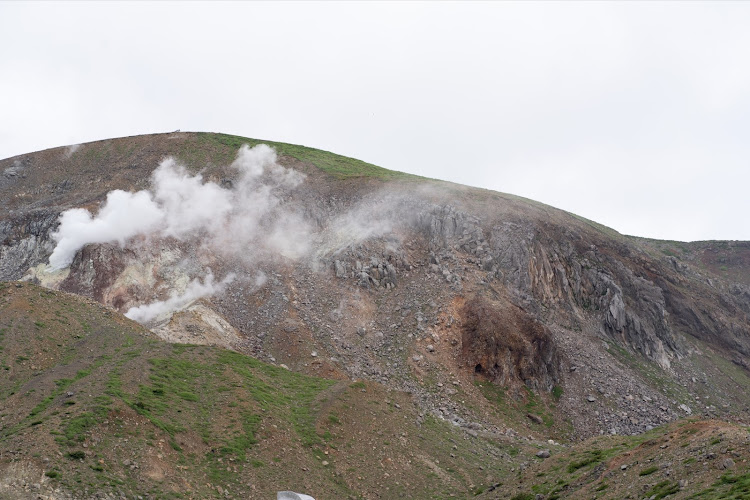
25 241
563 276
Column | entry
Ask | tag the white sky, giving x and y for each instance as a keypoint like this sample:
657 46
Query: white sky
633 114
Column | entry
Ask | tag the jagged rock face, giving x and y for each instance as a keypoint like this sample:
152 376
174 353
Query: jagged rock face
638 316
503 344
631 308
558 282
510 254
446 225
25 241
565 276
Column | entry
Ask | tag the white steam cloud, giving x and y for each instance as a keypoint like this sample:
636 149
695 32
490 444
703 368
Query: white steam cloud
195 290
122 216
183 206
188 205
249 222
245 221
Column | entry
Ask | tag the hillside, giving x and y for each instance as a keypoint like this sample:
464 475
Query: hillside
94 404
286 296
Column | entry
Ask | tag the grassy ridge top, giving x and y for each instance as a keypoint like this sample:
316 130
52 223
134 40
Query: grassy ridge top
341 167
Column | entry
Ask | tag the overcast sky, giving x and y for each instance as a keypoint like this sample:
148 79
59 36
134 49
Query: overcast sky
633 114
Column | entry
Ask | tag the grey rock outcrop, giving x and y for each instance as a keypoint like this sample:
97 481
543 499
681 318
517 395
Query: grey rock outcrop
25 241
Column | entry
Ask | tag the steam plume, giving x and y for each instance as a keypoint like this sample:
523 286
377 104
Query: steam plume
176 301
183 206
247 222
122 216
241 222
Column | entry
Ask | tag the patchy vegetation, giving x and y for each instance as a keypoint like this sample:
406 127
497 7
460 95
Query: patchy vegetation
681 460
105 407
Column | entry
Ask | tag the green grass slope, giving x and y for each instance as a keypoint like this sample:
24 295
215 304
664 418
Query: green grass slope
341 167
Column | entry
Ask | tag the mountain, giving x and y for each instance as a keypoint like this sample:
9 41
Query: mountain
311 322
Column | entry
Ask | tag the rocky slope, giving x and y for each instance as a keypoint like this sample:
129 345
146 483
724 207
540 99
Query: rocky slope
501 315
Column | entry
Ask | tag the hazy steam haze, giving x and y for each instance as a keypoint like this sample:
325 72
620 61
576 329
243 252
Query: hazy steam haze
188 205
70 150
370 218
